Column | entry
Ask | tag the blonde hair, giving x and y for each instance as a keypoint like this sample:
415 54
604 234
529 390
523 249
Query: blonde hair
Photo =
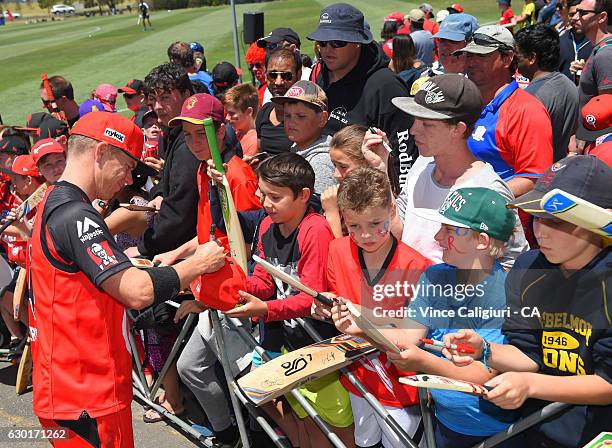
364 188
348 140
242 97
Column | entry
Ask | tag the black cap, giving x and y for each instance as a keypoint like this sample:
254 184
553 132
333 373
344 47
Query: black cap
132 87
224 76
444 97
51 127
586 177
344 22
34 120
13 144
143 113
279 34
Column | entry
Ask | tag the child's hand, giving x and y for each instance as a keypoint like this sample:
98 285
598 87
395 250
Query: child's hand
212 172
320 311
188 307
409 359
511 389
253 306
469 337
343 320
329 200
374 151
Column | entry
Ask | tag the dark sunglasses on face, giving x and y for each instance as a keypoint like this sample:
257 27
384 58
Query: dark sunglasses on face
129 96
285 76
255 65
333 43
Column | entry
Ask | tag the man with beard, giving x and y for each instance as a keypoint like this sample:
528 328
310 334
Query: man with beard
283 69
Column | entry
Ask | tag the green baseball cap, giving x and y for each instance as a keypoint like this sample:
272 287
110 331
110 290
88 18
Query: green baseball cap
479 209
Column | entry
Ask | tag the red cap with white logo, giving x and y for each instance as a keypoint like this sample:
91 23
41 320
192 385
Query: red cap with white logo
44 147
24 166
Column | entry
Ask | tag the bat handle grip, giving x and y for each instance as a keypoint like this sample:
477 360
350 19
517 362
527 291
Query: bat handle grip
324 300
6 225
211 136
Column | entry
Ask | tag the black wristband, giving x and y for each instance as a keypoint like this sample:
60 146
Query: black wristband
166 283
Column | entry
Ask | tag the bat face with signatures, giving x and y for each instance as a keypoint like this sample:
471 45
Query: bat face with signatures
301 366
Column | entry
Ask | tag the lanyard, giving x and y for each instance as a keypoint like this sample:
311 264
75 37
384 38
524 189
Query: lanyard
577 49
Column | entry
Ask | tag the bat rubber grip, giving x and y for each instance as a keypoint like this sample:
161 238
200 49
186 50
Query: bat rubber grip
211 136
324 300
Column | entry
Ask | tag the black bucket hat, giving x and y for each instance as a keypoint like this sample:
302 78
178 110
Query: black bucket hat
343 22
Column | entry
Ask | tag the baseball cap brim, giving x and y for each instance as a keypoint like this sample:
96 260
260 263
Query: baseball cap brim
128 90
474 48
176 121
530 203
589 135
353 36
264 41
434 215
455 36
285 99
409 106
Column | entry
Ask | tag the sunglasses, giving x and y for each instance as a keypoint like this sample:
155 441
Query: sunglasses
255 65
333 43
285 76
584 12
129 96
488 41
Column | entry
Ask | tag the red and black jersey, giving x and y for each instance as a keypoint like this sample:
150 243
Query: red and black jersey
303 254
348 277
79 339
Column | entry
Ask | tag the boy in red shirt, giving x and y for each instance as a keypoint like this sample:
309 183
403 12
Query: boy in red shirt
359 266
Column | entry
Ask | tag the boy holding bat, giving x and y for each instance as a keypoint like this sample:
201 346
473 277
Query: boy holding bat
296 239
559 331
358 265
474 227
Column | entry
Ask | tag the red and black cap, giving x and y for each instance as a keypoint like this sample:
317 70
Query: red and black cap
34 120
586 177
132 87
51 127
224 75
117 131
13 144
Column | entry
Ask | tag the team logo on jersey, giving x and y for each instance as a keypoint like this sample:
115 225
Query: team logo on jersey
479 133
88 229
339 113
102 255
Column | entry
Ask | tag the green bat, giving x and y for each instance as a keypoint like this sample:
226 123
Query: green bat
230 216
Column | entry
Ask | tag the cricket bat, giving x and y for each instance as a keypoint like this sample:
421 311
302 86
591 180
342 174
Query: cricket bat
291 281
370 329
138 208
24 372
577 211
442 382
232 225
27 206
19 293
296 368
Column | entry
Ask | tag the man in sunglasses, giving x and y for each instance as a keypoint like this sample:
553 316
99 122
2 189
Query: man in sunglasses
575 47
64 97
595 18
134 96
358 83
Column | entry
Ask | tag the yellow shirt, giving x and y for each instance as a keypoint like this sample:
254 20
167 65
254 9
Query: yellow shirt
529 11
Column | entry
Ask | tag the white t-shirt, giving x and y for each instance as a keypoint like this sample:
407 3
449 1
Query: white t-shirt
422 191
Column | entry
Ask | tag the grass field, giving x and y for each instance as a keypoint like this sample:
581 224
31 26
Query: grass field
89 51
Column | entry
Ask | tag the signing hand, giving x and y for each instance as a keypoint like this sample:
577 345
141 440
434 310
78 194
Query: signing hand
253 306
409 359
188 307
165 259
211 256
343 320
511 389
469 337
320 311
374 151
157 164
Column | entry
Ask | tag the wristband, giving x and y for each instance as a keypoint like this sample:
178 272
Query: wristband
486 354
166 283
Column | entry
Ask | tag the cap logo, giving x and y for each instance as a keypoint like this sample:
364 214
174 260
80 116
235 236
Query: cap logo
295 91
483 226
454 201
591 120
38 148
115 135
557 167
325 18
191 102
434 95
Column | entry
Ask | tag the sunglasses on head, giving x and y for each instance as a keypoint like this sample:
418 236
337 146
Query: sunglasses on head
333 43
285 76
488 41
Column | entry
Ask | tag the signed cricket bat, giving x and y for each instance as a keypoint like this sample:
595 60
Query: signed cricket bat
370 329
137 208
577 211
296 368
27 206
442 382
230 216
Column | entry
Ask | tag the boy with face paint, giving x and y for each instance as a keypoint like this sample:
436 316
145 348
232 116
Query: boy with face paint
465 291
358 266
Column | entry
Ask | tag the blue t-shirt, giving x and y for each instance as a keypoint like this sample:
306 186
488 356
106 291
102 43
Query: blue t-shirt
205 79
439 290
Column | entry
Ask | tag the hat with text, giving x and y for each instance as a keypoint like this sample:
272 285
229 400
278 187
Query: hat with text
117 131
278 35
586 177
457 27
480 209
45 146
488 39
198 107
305 92
343 22
444 97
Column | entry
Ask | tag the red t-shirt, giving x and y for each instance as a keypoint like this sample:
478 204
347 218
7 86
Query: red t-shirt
431 26
346 279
